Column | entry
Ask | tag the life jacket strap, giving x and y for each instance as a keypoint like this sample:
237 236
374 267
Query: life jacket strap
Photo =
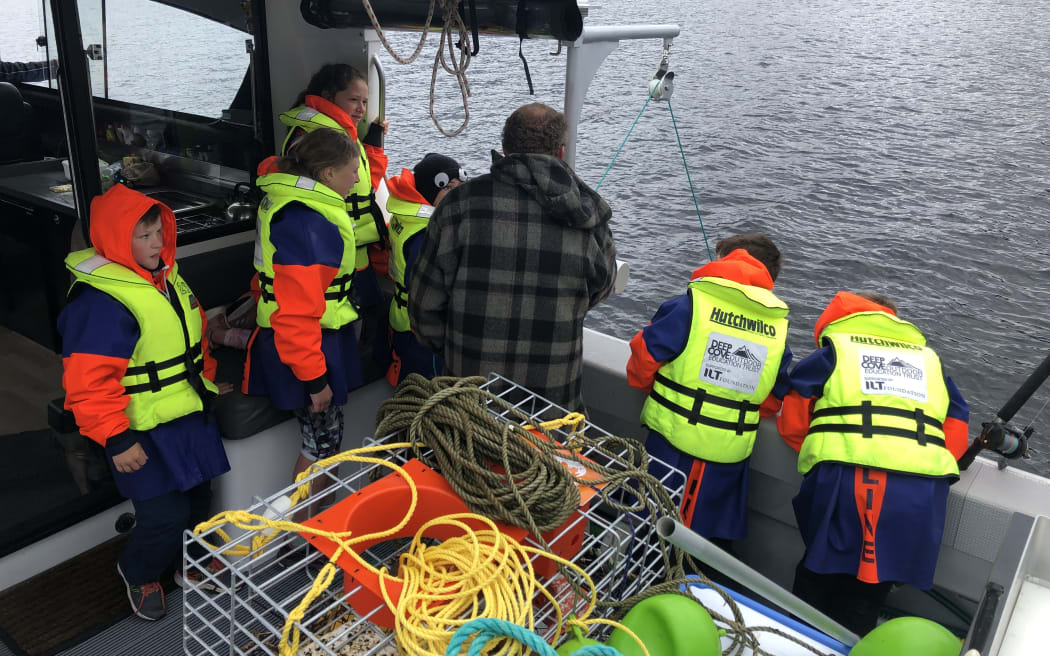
400 295
266 288
194 365
868 427
340 288
700 397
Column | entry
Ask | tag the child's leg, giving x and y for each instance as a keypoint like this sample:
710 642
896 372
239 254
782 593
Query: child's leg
322 434
199 502
156 541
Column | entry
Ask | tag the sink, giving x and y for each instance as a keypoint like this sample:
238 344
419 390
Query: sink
179 202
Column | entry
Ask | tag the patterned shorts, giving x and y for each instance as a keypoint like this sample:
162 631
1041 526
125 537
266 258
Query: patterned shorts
322 431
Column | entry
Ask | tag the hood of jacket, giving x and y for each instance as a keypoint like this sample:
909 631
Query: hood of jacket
334 112
555 187
843 305
404 187
113 218
740 267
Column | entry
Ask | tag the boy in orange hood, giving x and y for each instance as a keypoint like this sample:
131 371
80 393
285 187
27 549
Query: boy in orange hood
710 372
138 379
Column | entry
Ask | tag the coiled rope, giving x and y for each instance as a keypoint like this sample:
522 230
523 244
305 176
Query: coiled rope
458 421
480 574
452 21
481 631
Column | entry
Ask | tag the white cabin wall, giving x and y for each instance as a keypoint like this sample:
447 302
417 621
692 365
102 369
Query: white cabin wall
297 49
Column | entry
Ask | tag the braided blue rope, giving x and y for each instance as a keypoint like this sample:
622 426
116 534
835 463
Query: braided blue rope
690 179
490 628
625 138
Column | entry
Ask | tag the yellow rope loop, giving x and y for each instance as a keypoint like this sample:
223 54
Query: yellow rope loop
586 624
290 633
573 419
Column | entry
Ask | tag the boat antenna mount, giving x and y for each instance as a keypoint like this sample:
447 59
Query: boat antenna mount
998 435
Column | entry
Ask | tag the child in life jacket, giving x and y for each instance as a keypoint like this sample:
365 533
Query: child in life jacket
413 195
713 361
879 427
336 97
304 355
138 379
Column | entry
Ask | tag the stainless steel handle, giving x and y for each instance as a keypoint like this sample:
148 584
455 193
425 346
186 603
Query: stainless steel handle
374 62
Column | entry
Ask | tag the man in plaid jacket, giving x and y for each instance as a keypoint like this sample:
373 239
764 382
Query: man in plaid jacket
511 263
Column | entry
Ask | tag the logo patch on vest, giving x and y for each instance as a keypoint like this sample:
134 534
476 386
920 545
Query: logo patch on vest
742 322
890 373
733 363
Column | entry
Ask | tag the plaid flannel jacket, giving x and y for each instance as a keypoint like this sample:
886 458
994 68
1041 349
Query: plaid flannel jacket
511 263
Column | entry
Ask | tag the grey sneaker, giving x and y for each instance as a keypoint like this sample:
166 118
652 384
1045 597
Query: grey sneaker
147 600
217 579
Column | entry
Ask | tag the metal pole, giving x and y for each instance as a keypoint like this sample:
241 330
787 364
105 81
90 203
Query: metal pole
693 544
77 108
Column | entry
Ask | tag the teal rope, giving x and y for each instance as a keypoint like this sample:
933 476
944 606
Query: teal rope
690 178
490 628
625 138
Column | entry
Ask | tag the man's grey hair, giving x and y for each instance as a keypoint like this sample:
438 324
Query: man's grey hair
535 128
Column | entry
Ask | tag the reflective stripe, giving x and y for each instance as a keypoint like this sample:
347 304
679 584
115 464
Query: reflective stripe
306 183
89 265
307 113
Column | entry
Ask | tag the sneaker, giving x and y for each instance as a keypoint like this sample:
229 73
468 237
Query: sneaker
217 582
147 600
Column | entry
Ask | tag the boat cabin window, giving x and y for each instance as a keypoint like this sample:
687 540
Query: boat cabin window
172 115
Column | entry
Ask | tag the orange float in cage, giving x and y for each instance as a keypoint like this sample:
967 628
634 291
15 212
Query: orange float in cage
381 505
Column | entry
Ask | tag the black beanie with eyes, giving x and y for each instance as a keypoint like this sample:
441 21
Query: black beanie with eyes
434 172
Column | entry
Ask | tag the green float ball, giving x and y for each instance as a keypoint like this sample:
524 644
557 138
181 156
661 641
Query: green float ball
908 635
576 641
669 625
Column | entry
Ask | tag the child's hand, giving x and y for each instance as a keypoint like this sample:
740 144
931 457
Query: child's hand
319 402
385 124
133 459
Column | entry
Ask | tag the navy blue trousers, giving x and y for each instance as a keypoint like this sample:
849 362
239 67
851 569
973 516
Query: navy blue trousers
155 544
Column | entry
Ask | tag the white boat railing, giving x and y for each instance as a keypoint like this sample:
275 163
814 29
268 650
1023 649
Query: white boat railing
585 57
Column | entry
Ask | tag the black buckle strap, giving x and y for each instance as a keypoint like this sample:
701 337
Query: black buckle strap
698 403
156 384
341 287
744 405
150 368
701 397
868 429
735 426
266 288
400 295
876 430
358 209
867 408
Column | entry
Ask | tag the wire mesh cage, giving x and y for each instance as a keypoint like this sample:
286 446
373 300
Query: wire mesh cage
242 609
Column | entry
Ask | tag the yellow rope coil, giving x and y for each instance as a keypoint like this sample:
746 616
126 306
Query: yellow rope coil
479 574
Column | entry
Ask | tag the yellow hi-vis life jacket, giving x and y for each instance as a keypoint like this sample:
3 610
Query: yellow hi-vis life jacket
361 203
706 400
284 188
885 402
164 379
406 219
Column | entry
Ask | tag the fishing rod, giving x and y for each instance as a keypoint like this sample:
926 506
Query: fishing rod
999 435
